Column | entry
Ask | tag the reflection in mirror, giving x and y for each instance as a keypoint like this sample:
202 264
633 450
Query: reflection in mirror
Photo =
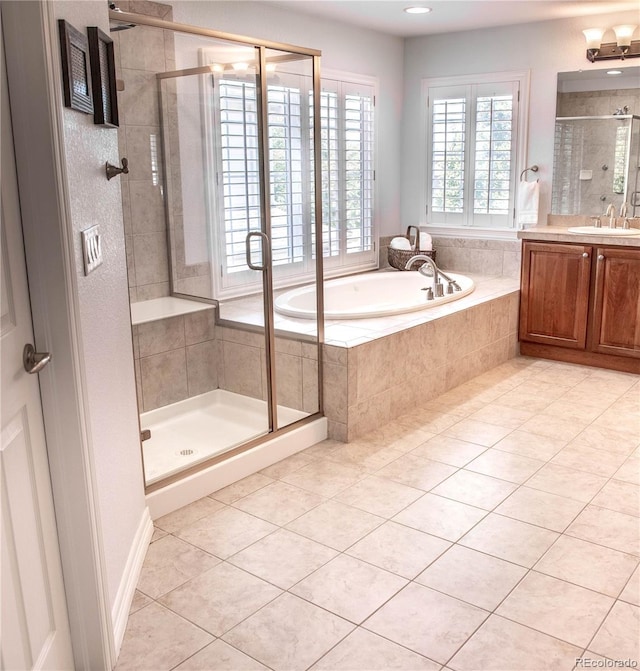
597 142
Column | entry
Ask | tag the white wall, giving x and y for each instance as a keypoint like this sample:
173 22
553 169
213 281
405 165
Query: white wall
544 48
103 305
344 48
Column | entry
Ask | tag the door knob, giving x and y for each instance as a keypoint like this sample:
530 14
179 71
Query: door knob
33 361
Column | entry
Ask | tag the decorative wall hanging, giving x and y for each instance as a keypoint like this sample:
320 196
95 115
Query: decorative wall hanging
103 77
76 73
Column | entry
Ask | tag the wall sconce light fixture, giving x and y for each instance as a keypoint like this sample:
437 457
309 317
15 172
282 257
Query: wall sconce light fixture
622 48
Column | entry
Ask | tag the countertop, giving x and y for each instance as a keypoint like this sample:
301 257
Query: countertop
561 234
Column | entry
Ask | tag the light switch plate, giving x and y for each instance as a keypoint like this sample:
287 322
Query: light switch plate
91 249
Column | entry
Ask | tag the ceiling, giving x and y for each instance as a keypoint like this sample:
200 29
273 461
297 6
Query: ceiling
387 16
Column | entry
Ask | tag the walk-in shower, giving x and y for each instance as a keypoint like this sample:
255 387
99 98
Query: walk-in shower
222 200
596 164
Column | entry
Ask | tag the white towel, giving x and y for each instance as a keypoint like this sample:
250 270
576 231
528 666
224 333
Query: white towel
426 243
528 198
400 243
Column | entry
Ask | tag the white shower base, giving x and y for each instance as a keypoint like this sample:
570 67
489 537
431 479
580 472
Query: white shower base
186 433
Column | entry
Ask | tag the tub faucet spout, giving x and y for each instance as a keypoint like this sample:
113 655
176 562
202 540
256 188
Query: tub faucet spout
437 290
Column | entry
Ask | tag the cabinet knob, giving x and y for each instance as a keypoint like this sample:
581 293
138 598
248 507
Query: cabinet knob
600 257
585 255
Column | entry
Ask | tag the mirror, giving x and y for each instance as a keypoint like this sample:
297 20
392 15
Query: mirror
597 142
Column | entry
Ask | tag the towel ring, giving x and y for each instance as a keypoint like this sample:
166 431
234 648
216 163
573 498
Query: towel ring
533 168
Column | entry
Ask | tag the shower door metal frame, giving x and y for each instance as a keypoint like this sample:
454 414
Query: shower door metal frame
265 203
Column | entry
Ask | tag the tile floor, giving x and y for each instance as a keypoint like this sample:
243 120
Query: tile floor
495 529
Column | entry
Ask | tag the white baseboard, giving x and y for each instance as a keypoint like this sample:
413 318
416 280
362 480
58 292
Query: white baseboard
130 576
194 487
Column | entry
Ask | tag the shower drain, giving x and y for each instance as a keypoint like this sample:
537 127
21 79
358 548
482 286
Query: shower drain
185 453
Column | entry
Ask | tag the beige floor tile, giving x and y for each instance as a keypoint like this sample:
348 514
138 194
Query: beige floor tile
226 532
449 450
379 496
524 398
364 651
158 639
580 412
184 516
289 633
286 466
621 496
554 427
589 565
242 488
283 558
399 549
441 517
157 534
609 528
417 472
567 482
322 450
479 433
616 639
581 457
349 588
218 656
502 645
609 382
555 607
631 593
541 508
335 524
139 601
504 465
502 415
629 472
371 462
435 422
515 541
409 440
171 562
610 419
427 622
220 598
279 503
608 439
531 445
475 489
326 478
472 576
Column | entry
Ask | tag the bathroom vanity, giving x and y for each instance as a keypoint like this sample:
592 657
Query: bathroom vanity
580 298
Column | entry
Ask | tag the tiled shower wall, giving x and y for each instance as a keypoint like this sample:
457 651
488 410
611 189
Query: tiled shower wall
181 357
498 258
597 103
140 53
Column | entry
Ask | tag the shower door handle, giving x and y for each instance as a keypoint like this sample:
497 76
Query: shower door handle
264 248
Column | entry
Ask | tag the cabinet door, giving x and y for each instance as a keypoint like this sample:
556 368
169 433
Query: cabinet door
555 294
615 327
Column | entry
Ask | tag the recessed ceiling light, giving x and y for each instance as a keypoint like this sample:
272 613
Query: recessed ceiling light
614 72
417 10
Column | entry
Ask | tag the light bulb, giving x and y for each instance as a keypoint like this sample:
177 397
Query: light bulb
623 35
241 67
593 37
417 10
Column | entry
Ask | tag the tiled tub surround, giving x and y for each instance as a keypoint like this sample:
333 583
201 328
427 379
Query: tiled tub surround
374 369
470 255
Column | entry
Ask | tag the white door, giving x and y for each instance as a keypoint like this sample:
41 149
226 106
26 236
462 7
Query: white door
33 619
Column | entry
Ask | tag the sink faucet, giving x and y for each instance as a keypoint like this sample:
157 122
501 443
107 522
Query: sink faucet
624 209
436 290
611 213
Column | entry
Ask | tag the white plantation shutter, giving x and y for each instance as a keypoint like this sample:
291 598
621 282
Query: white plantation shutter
473 137
347 151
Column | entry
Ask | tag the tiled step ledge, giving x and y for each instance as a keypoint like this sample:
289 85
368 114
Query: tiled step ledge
162 308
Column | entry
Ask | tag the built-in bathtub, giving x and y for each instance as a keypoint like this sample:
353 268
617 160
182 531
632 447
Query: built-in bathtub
370 295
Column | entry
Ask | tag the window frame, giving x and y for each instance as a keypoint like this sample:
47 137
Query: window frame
244 282
465 228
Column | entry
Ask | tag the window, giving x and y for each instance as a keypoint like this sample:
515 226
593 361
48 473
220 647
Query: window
347 141
474 130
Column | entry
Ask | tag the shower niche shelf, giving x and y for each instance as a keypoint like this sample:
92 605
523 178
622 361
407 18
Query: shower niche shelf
166 306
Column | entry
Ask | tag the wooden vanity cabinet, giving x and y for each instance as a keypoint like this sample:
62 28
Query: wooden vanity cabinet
581 303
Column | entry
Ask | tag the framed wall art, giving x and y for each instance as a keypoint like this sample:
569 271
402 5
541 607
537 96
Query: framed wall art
103 78
76 72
